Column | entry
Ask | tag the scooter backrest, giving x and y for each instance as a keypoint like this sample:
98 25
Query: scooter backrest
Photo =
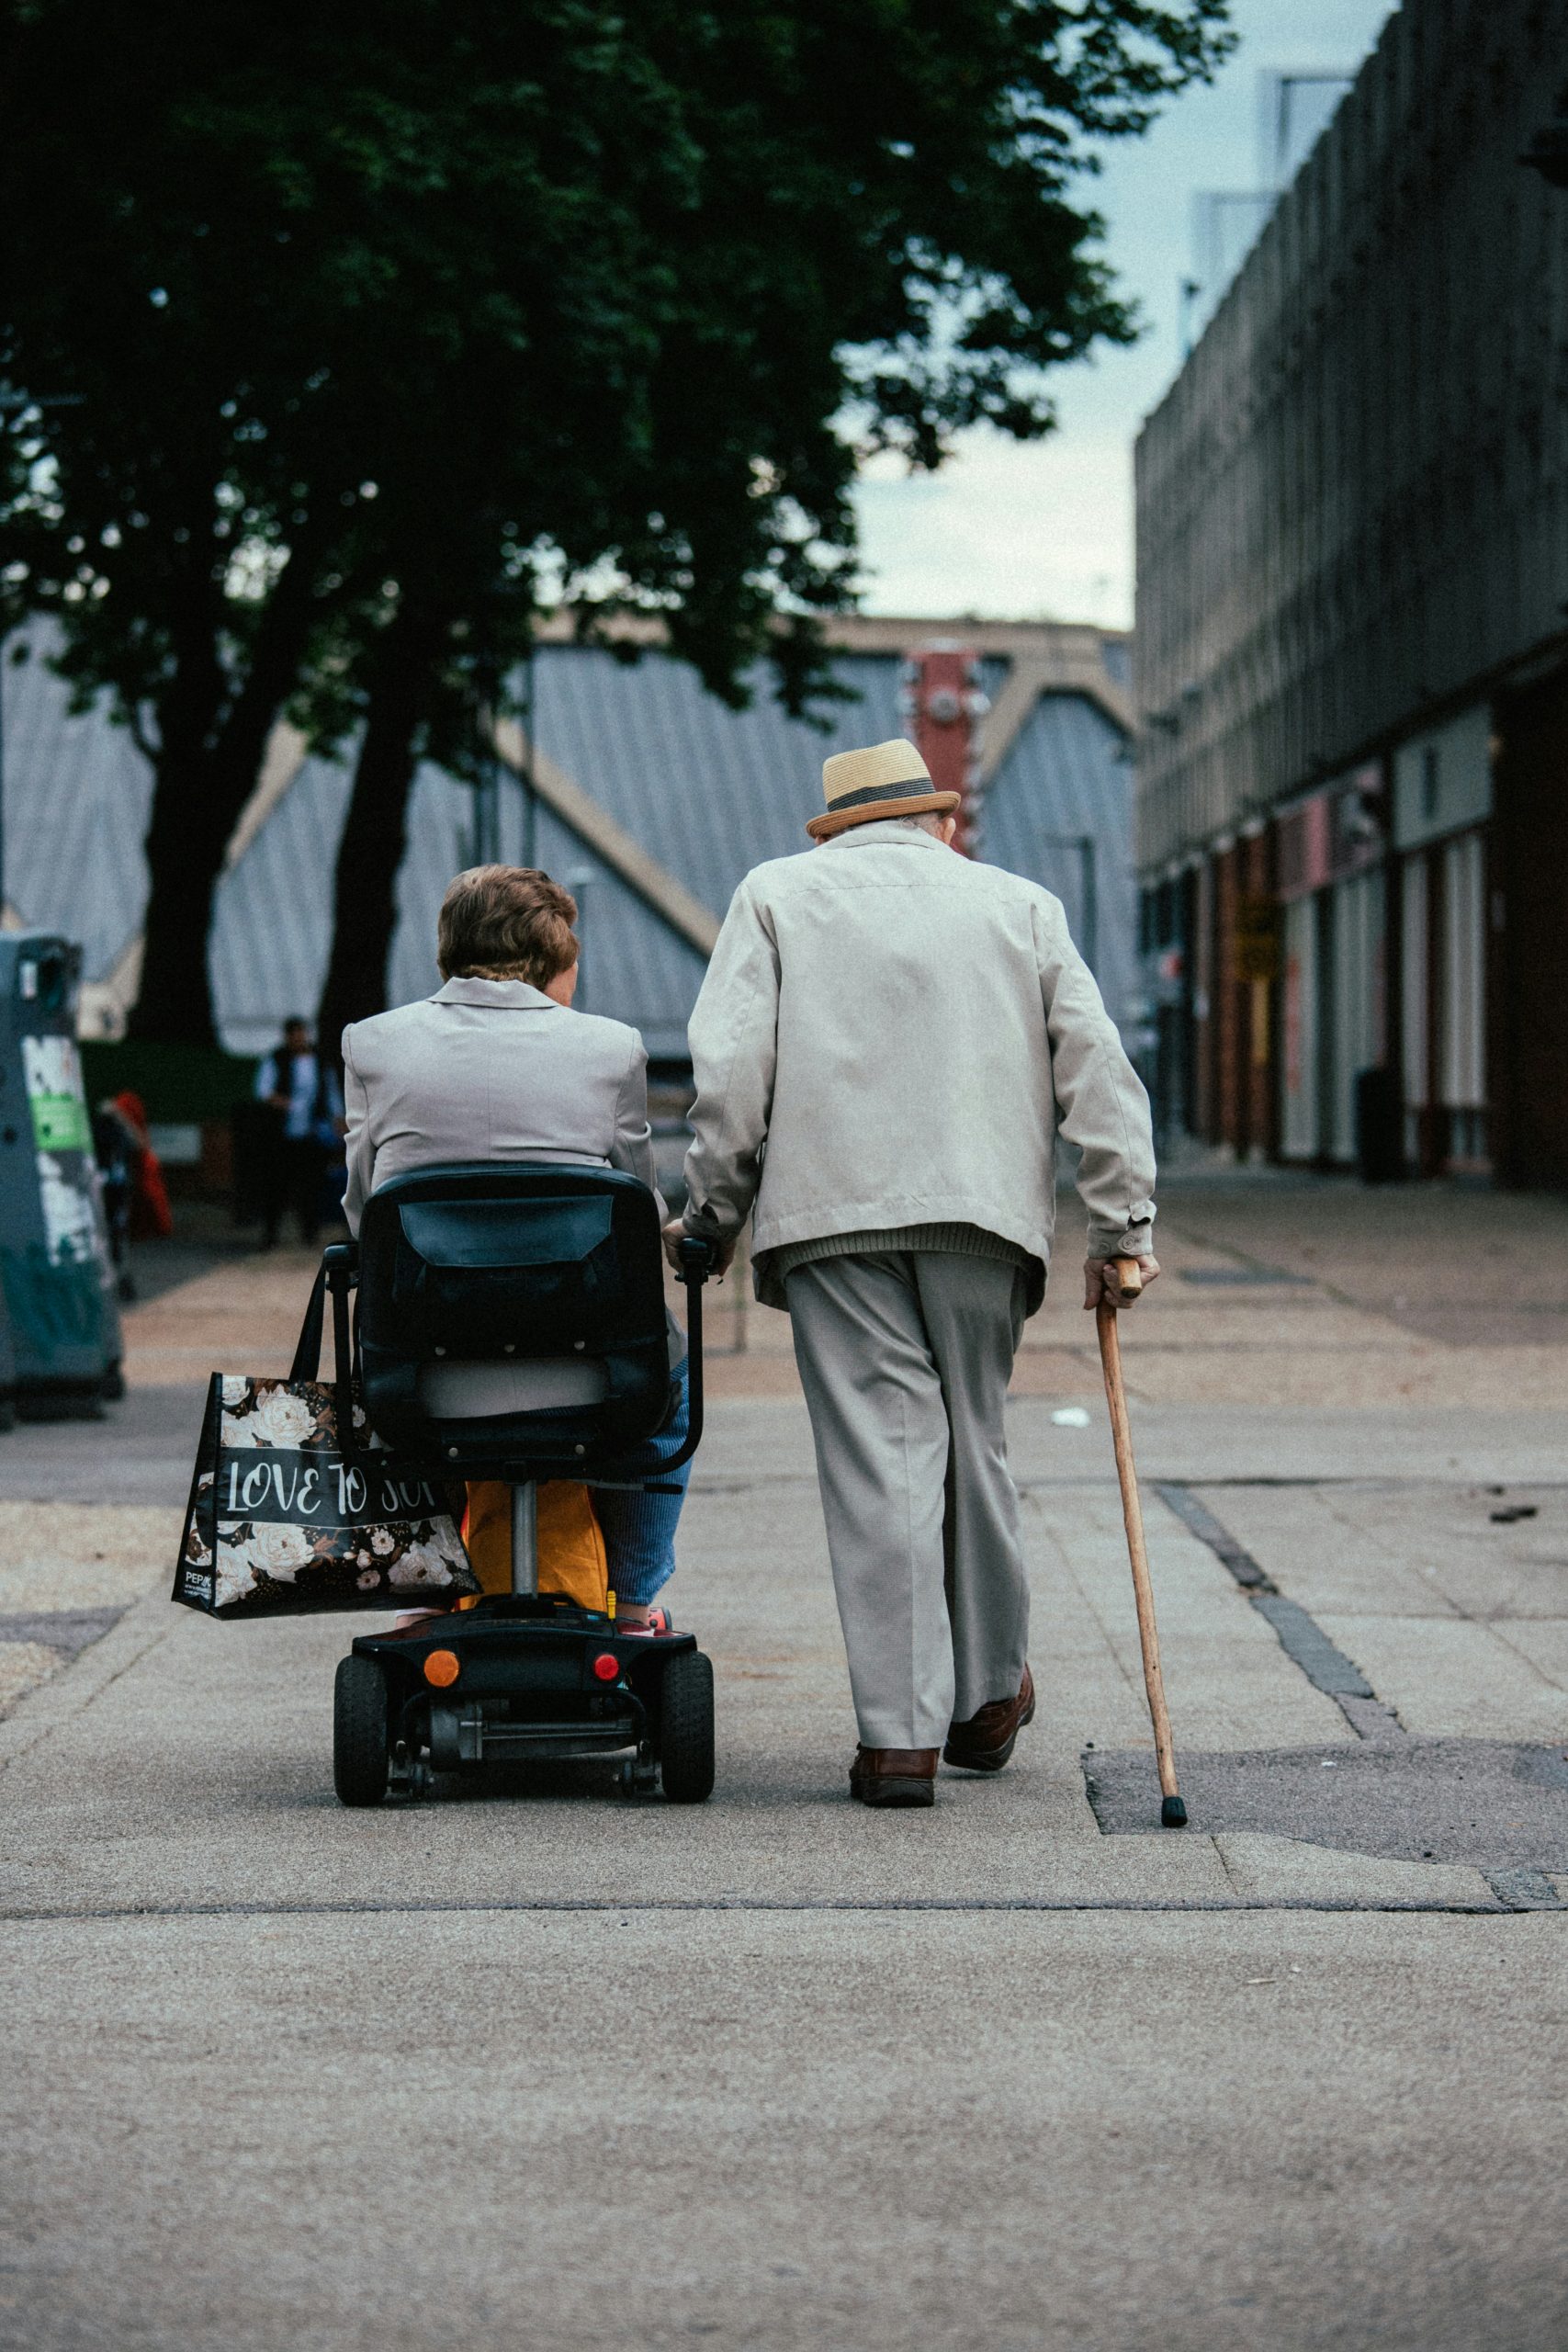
514 1266
489 1259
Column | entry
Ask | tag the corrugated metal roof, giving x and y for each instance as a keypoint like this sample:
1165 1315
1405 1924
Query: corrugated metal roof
272 917
708 791
77 796
634 966
1066 774
272 933
712 791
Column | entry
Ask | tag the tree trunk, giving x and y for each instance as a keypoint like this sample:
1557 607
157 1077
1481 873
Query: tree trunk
374 833
193 810
211 742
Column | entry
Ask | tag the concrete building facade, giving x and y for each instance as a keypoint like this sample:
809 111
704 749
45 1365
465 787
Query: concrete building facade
1351 646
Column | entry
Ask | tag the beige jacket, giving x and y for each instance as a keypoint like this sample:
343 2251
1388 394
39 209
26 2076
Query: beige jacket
890 1034
490 1069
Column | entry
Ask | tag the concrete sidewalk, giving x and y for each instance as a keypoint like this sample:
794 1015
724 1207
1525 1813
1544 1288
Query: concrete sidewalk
532 2063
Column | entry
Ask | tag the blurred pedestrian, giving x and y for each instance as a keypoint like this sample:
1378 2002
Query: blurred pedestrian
306 1099
152 1219
114 1147
130 1182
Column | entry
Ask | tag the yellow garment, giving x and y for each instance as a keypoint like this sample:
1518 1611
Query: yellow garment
572 1558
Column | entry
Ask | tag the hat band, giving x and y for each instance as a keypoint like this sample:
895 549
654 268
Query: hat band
908 788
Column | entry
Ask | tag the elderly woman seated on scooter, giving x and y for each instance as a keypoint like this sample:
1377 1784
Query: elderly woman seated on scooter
497 1065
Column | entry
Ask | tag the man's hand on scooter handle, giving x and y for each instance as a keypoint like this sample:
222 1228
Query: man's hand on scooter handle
723 1252
1099 1281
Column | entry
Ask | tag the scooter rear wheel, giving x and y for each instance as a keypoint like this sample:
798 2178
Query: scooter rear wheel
360 1761
686 1729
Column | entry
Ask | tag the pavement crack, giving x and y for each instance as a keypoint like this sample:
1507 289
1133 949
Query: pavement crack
1369 1719
1496 1806
1200 1519
48 1710
1299 1634
68 1630
1524 1889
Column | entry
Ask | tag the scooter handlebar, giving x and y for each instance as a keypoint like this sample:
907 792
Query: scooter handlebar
698 1260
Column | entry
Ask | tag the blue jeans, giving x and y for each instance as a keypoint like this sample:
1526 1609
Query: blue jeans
640 1530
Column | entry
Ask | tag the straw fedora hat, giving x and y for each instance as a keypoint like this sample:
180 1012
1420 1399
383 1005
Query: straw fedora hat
884 780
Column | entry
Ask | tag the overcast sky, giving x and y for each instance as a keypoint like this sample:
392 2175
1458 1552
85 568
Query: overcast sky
1045 530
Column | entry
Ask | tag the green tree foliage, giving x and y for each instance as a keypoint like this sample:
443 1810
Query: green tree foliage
372 323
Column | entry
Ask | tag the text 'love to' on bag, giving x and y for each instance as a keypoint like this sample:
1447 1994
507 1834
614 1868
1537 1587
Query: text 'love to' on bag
284 1518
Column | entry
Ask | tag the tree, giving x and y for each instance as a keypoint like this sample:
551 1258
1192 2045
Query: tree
618 298
243 249
931 299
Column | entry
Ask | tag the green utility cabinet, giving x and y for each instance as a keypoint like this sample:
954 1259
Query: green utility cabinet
55 1268
7 1370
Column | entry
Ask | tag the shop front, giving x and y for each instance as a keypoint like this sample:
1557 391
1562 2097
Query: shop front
1332 886
1442 808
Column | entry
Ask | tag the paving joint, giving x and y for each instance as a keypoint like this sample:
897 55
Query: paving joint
1384 1486
1232 1556
1300 1635
864 1906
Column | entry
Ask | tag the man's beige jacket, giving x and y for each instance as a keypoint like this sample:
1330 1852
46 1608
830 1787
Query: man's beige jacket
890 1034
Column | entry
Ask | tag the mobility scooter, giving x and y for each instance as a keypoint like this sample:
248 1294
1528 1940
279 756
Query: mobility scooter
510 1325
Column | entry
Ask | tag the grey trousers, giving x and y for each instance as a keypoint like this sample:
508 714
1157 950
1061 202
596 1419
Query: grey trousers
905 1356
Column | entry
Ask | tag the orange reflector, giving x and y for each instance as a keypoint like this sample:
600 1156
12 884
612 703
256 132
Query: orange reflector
441 1667
606 1666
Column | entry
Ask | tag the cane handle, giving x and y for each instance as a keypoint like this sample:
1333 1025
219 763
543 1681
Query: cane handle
1129 1277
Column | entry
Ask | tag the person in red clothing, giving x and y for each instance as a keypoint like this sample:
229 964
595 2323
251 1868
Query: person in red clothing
136 1204
151 1218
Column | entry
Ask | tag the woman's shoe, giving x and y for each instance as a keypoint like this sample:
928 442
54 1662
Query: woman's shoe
658 1622
414 1622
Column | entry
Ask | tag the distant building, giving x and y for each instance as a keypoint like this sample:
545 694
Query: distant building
653 799
1351 665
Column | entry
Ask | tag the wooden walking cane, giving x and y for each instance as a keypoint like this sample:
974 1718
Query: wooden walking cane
1130 1282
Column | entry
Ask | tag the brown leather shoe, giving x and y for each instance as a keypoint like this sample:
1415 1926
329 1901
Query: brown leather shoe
986 1740
894 1775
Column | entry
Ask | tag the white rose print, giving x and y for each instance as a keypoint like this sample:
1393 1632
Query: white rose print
279 1551
277 1418
233 1576
421 1565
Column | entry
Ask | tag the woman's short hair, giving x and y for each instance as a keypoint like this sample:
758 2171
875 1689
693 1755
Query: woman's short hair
505 923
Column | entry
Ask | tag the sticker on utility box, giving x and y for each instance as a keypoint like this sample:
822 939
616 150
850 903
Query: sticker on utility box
53 1071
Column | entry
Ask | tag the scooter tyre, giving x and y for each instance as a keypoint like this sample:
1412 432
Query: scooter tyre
360 1761
686 1729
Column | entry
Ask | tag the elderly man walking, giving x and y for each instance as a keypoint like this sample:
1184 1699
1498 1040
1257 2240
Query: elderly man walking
886 1041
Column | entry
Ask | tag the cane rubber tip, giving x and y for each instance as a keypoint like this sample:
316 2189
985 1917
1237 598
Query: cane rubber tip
1173 1814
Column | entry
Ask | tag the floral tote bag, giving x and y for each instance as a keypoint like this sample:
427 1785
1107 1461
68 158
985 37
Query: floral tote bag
297 1507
